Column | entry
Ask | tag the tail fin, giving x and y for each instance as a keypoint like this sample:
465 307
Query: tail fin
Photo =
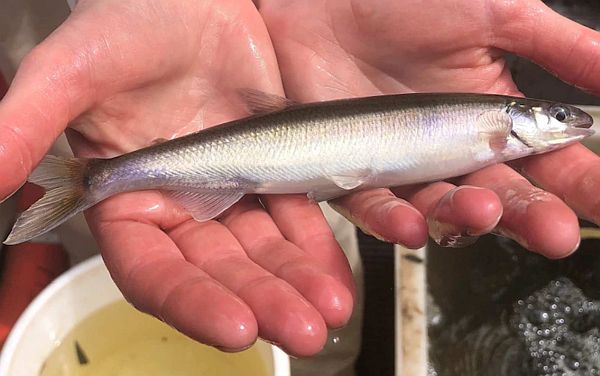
65 196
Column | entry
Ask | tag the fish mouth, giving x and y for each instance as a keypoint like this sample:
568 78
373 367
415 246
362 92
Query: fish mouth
568 136
580 132
583 121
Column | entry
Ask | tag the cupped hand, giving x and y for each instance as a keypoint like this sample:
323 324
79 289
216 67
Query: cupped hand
342 48
125 74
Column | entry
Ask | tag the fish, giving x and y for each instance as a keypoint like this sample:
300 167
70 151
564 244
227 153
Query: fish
324 149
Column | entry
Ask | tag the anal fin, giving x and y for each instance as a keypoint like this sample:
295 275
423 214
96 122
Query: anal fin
350 180
205 205
342 184
325 195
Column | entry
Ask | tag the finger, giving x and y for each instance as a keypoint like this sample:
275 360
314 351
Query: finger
536 219
456 216
572 173
153 275
531 29
284 317
265 245
379 213
302 222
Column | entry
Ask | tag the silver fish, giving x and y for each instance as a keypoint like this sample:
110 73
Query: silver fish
325 149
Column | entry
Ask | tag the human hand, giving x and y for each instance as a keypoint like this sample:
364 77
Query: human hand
126 73
337 48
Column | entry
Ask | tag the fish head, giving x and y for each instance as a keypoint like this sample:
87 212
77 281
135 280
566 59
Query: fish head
543 126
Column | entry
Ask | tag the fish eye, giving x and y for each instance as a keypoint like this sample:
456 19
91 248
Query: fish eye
559 113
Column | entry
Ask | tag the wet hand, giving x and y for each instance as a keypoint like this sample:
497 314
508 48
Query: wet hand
337 48
124 74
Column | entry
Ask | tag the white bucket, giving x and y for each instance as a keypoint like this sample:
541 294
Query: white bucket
65 303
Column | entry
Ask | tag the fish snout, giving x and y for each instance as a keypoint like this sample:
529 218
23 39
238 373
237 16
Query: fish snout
582 120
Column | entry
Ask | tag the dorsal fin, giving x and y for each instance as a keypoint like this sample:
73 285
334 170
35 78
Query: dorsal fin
259 102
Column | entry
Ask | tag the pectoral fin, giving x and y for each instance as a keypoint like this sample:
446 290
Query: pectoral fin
204 205
259 102
495 127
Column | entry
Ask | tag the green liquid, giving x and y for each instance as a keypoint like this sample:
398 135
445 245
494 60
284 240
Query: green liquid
118 340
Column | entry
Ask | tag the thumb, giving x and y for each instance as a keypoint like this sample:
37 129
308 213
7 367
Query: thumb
565 48
33 113
99 50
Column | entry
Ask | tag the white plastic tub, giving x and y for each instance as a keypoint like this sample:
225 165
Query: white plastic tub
71 298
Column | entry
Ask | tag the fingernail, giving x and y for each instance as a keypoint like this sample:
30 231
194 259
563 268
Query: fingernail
487 230
448 235
450 195
368 232
277 344
460 187
576 247
456 240
270 342
232 350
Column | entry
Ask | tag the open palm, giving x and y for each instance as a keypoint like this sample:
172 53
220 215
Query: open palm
126 74
342 48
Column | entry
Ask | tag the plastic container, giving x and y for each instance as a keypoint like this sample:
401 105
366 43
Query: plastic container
67 301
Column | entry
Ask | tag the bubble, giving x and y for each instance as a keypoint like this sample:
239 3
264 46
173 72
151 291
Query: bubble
549 322
572 364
